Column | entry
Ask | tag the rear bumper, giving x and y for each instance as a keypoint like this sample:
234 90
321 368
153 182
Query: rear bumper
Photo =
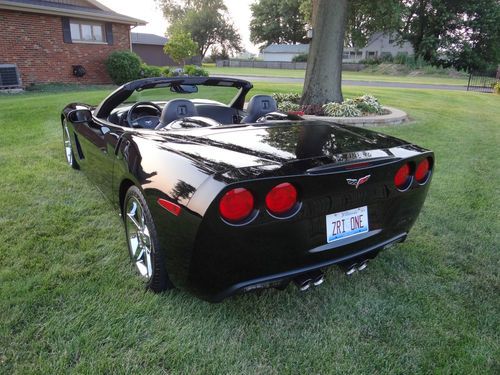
229 259
275 279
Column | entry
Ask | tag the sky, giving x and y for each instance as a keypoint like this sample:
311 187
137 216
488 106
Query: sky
147 10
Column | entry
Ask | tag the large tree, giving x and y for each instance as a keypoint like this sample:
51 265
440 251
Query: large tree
324 65
207 21
277 21
462 33
364 18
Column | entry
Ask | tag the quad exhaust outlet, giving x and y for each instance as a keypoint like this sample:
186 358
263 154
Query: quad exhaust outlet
353 268
306 280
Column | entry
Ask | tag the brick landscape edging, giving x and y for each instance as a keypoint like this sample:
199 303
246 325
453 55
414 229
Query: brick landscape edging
396 116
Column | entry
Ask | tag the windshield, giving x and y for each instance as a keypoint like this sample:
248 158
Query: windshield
220 94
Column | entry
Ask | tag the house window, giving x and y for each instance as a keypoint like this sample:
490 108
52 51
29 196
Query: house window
87 32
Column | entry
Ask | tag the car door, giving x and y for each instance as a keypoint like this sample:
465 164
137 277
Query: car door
97 140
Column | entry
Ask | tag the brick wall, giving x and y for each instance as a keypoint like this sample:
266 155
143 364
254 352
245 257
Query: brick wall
35 43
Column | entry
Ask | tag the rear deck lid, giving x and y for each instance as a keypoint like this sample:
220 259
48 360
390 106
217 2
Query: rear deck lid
310 144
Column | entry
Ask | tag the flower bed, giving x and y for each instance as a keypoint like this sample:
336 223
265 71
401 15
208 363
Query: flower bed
363 110
365 105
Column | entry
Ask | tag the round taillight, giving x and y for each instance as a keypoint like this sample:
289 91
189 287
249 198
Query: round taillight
236 204
422 171
281 199
402 178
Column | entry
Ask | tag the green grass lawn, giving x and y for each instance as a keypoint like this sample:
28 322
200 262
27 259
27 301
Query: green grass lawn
70 301
356 76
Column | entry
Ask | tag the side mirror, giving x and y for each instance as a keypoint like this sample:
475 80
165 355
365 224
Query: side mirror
80 115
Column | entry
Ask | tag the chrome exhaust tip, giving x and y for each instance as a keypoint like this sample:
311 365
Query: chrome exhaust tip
305 286
305 280
363 266
352 270
319 280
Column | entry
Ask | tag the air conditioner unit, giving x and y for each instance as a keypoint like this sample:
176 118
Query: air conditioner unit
9 76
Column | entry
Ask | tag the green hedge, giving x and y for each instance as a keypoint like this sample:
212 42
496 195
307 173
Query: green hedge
148 71
123 66
126 66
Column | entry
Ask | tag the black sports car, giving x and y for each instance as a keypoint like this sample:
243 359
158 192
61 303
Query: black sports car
220 200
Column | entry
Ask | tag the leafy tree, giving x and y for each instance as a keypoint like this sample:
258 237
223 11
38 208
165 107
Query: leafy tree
461 33
364 17
277 21
207 21
180 47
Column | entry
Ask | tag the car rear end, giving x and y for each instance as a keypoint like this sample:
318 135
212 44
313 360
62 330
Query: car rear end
271 225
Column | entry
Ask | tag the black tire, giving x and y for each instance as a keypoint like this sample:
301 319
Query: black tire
68 146
151 266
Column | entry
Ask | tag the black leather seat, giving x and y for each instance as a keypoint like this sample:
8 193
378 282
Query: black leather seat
258 106
176 109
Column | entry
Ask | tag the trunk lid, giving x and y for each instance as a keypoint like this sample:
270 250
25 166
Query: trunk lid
300 146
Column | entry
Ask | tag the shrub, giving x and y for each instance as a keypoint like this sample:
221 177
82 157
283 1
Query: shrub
400 58
386 58
341 110
415 62
288 107
123 66
366 103
496 88
287 97
300 58
165 71
148 71
193 70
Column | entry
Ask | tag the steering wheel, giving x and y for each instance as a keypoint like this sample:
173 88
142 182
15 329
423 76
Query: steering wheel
147 121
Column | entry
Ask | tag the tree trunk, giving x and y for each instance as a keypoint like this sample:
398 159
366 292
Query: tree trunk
324 65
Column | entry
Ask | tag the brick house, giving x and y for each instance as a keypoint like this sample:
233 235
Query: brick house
43 41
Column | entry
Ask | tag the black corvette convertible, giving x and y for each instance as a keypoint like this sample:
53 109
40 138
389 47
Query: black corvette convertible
217 199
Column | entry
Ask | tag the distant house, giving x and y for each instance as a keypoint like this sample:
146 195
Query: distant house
283 52
43 41
378 45
150 48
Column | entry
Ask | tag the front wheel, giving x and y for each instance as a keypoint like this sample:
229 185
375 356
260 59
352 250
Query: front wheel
142 239
68 146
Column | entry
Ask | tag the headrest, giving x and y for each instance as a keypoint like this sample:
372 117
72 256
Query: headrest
259 106
176 109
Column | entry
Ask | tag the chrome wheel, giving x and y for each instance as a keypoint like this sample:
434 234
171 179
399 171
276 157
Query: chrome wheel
139 238
68 148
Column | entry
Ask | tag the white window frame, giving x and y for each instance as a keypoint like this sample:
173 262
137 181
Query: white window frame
92 24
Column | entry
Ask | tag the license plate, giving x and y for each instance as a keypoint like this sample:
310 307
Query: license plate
346 224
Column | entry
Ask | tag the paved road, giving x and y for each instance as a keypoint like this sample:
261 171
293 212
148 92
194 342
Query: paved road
348 82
